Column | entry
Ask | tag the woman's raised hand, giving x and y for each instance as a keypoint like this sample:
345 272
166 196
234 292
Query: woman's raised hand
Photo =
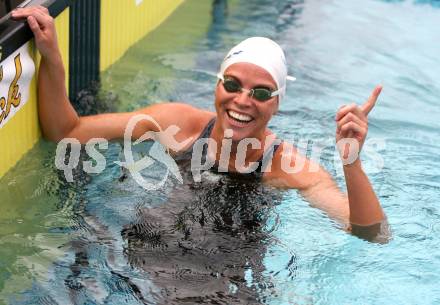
42 25
352 123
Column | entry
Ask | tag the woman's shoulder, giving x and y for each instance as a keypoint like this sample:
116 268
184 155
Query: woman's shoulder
187 121
188 118
191 118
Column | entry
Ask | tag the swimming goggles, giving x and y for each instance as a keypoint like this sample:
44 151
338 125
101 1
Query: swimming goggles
260 94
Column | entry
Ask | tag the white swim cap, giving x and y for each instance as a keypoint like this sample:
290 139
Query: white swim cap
264 53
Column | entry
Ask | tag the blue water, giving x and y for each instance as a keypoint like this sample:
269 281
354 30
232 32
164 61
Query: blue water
61 243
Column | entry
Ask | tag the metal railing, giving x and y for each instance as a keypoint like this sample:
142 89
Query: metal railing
13 33
8 5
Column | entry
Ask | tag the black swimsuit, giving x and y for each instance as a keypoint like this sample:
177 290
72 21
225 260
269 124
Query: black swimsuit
185 157
206 236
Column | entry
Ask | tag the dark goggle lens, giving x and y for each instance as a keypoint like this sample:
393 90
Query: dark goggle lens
231 85
261 94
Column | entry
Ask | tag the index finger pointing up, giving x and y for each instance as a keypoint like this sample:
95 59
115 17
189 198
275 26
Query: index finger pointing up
369 104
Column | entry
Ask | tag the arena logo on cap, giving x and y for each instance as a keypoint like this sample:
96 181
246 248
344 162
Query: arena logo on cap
235 53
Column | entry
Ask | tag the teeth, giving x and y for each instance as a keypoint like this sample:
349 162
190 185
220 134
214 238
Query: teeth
239 117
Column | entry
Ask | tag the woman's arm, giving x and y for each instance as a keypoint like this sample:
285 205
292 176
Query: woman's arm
57 116
352 125
361 201
360 207
318 187
59 120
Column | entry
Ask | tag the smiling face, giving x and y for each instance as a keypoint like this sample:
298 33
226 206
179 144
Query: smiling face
246 116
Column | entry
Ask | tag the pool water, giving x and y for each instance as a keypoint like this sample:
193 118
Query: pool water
105 240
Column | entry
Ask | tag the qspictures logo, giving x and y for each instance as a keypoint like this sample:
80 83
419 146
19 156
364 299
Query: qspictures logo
157 153
203 154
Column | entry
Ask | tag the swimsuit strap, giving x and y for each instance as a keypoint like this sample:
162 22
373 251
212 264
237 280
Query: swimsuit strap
262 162
208 128
187 154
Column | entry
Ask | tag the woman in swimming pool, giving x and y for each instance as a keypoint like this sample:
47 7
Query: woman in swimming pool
251 85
